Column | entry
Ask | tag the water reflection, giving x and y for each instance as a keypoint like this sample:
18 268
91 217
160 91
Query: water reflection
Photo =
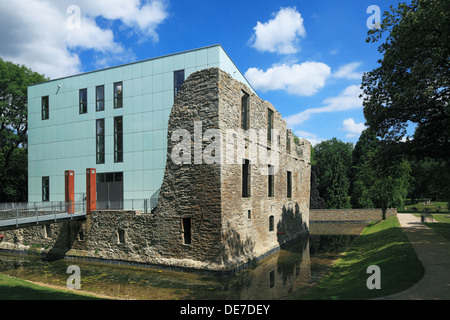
287 271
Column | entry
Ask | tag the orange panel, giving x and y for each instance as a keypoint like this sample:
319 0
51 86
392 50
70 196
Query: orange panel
70 191
91 190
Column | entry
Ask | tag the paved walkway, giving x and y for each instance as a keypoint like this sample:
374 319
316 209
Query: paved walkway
434 252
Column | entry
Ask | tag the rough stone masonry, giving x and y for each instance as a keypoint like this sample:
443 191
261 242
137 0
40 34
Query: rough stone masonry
236 187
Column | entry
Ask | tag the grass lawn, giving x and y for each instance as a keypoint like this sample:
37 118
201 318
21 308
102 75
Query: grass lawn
17 289
382 244
442 226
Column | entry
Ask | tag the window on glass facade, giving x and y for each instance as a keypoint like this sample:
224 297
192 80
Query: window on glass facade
100 141
118 139
45 108
83 101
245 111
118 95
100 98
178 81
45 189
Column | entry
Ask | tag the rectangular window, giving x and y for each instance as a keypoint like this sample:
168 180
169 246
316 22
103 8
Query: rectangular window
100 141
186 224
270 182
121 236
289 184
45 108
100 98
118 139
45 189
118 95
271 223
83 101
178 81
288 141
269 124
246 179
245 111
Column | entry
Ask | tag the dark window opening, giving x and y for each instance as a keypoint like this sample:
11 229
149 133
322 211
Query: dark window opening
100 140
121 236
249 214
178 81
45 189
186 225
288 141
245 111
246 179
100 98
47 231
110 177
83 101
118 139
271 178
45 108
269 124
118 95
289 184
272 278
271 223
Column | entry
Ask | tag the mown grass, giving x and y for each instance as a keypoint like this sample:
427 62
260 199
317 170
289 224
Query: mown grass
17 289
442 226
382 244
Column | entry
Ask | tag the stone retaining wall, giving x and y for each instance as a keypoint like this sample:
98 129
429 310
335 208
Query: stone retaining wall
349 214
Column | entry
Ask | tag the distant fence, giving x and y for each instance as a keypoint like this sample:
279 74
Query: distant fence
353 215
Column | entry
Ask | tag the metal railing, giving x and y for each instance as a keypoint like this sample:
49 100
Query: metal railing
24 213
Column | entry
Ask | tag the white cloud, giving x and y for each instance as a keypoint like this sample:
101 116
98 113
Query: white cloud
280 34
347 100
348 71
311 137
354 129
300 79
35 32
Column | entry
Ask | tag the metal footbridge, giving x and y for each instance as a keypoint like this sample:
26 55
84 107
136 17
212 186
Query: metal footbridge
22 215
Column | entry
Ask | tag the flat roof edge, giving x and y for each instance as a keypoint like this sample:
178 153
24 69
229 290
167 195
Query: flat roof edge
134 62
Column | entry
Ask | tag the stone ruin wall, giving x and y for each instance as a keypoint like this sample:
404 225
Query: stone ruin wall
223 236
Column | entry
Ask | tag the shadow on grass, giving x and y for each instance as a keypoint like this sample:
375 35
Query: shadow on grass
15 289
382 244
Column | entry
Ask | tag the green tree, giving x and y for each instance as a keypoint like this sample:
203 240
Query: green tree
333 158
361 175
412 84
14 82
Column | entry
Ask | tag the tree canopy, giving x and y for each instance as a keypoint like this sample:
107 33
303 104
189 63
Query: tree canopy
411 86
14 82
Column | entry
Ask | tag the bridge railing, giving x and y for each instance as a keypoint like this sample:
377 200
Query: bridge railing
11 211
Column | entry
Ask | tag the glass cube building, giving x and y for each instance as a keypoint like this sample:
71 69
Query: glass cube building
114 120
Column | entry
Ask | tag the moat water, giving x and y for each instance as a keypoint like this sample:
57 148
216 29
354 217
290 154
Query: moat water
284 273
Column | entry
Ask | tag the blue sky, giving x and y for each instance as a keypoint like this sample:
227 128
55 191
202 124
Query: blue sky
305 57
